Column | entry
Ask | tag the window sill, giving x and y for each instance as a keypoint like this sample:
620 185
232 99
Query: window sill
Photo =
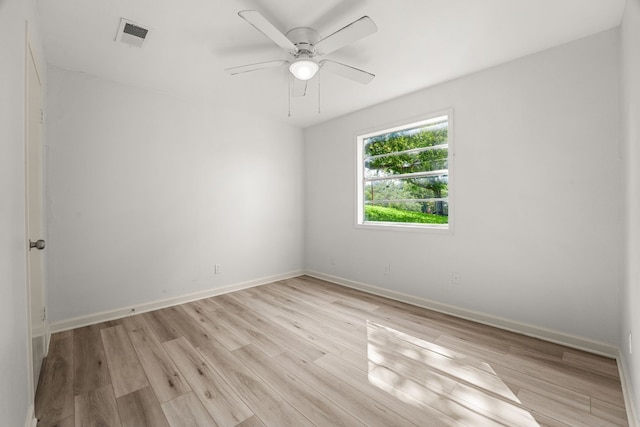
405 227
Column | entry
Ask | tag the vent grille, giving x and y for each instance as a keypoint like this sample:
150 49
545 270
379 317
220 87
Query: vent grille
131 34
135 31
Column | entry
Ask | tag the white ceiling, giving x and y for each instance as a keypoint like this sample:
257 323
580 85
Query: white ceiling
419 43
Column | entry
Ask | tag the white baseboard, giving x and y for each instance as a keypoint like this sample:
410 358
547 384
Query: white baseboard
573 341
104 316
627 392
487 319
31 420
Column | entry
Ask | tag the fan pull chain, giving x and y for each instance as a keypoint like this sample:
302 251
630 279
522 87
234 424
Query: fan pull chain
319 92
290 90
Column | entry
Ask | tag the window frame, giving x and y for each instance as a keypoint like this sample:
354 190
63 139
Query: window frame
416 121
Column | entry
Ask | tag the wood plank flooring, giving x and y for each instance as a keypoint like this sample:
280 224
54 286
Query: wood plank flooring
304 352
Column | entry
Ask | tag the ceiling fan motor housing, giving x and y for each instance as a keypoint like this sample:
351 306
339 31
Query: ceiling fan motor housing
305 39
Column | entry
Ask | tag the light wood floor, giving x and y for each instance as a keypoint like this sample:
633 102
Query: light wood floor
304 352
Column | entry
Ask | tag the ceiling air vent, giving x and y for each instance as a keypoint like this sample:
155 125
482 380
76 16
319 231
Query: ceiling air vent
131 34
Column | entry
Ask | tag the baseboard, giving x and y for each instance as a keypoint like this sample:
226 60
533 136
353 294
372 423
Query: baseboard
580 343
627 392
31 420
104 316
487 319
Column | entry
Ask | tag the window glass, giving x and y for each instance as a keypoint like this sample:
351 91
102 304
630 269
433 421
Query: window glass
404 175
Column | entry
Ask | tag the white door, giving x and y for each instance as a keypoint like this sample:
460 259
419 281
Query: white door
35 228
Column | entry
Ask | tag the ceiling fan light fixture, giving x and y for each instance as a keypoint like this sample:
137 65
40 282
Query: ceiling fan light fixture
304 68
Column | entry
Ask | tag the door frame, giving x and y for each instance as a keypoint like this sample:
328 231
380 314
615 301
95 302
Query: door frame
31 56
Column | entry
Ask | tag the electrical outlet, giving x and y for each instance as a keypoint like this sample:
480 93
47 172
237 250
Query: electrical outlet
217 269
387 269
455 278
630 343
332 261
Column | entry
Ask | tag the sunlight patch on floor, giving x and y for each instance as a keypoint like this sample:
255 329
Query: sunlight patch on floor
460 386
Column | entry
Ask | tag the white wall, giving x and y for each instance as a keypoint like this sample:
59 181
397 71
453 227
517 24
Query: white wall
630 42
538 196
14 334
148 193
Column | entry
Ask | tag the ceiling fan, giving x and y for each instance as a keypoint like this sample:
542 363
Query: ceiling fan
305 45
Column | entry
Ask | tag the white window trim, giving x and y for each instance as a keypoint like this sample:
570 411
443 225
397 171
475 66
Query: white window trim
359 187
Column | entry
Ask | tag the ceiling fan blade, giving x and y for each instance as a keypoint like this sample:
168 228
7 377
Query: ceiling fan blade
347 71
261 24
254 67
355 31
299 87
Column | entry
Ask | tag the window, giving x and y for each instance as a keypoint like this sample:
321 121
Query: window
404 175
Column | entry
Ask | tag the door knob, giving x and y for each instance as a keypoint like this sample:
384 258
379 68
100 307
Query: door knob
38 244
